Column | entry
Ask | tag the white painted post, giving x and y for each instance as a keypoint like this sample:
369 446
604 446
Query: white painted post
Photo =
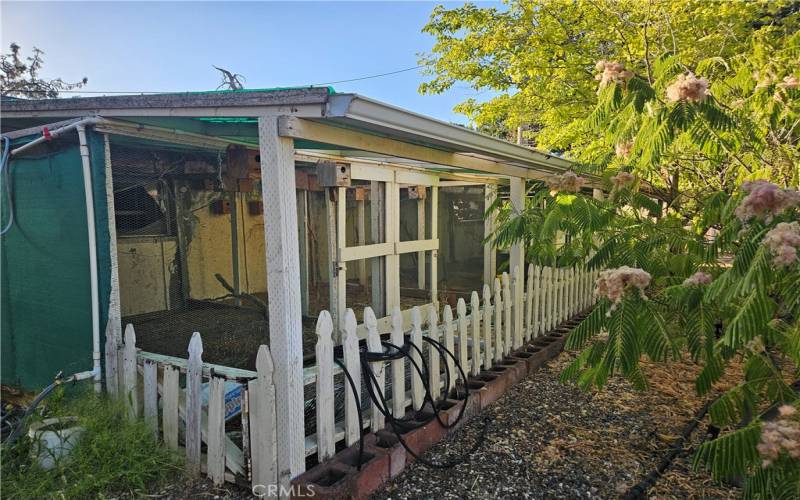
194 381
398 367
341 267
325 416
421 270
353 365
112 371
283 283
498 321
333 290
434 380
416 340
536 277
475 317
170 397
489 252
130 373
529 304
517 282
435 252
150 389
216 430
463 337
378 368
487 327
508 303
264 437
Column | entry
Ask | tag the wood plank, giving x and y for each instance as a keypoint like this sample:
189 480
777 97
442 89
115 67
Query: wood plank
434 370
516 294
325 415
341 243
377 367
150 386
421 269
401 247
435 251
529 303
353 364
216 431
361 233
283 283
170 399
498 321
489 251
416 340
398 367
365 252
488 348
508 314
475 315
536 278
208 368
449 344
264 428
303 245
463 337
194 381
130 374
378 226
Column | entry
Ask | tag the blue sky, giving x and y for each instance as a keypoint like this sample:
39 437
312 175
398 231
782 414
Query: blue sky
170 46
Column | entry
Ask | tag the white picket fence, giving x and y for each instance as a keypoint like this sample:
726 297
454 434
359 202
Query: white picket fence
496 323
150 384
479 336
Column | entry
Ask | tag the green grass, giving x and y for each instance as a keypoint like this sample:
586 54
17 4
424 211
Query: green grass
115 456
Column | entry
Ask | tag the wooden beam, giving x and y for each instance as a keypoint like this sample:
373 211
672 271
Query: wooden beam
283 283
421 236
517 255
378 223
298 128
434 249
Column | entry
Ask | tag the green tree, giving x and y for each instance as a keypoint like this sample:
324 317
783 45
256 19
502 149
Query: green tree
19 76
541 55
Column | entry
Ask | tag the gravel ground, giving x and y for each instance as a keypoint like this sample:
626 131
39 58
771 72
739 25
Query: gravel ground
548 440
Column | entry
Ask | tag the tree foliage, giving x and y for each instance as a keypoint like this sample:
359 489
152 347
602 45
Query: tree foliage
19 76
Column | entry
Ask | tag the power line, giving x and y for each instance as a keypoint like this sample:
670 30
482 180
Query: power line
380 75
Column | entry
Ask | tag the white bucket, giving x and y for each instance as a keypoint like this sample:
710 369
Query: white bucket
53 439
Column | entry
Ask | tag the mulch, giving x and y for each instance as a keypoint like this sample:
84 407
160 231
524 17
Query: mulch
550 440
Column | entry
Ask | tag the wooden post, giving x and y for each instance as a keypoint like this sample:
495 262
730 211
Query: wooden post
112 371
326 445
303 245
194 381
170 399
283 280
264 424
216 430
489 252
421 236
487 328
130 373
416 339
341 267
398 367
333 270
378 222
392 236
374 345
517 259
463 337
353 365
435 253
361 229
434 380
498 321
475 316
449 344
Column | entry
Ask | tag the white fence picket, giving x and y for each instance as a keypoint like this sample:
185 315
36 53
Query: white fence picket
111 368
537 290
170 396
398 367
326 445
475 315
352 363
449 344
215 437
130 373
377 367
434 370
150 389
194 381
529 303
508 306
263 422
517 281
498 321
463 337
487 328
416 341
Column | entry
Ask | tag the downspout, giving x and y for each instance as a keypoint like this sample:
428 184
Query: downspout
80 126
